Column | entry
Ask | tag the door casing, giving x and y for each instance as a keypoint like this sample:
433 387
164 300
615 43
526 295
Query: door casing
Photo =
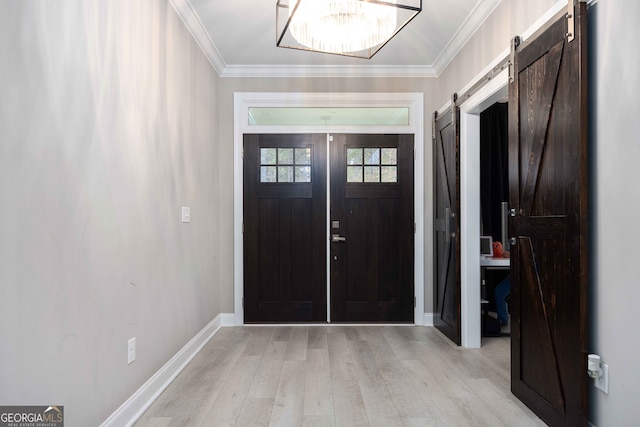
414 101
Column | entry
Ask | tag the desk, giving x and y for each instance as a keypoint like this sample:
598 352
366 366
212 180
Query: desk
498 263
490 263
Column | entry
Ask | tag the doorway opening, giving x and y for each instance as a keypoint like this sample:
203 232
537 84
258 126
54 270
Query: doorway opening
495 262
470 212
412 123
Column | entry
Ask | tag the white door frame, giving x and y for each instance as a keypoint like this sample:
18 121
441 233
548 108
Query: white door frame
470 205
244 100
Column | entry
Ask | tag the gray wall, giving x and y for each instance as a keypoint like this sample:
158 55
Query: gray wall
108 125
615 141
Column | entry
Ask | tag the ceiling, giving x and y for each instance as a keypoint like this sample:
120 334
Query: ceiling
238 37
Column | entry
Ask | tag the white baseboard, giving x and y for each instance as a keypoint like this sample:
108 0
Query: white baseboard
129 412
228 319
428 319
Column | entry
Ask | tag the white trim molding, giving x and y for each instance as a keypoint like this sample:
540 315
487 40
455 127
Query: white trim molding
289 71
227 319
192 21
129 412
415 103
428 319
472 23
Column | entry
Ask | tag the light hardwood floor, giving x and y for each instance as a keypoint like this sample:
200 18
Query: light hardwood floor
341 376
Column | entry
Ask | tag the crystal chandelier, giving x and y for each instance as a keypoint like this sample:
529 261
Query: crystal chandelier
344 27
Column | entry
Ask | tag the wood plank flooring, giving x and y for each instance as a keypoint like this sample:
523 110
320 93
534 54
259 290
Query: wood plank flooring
341 376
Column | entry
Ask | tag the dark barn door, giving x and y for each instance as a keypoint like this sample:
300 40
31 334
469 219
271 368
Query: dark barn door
372 228
446 220
285 228
548 190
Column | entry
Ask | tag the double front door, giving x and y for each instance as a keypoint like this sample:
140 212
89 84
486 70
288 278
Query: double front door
363 240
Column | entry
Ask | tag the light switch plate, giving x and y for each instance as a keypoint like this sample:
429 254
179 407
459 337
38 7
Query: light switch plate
131 350
186 214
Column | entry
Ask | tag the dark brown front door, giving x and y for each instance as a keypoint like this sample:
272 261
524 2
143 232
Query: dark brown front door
446 215
548 190
285 228
372 228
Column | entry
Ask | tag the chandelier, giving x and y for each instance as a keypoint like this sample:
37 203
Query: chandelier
358 28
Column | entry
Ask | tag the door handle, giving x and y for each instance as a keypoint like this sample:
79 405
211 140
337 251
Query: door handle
450 217
337 238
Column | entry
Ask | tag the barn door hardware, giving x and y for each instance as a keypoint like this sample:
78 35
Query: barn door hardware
454 99
571 25
515 42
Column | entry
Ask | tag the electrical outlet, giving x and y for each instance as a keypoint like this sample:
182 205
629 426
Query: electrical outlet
602 383
131 350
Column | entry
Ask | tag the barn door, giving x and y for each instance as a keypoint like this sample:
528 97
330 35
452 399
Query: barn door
548 190
446 214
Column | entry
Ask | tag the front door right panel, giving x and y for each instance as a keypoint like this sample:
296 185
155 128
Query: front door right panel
372 211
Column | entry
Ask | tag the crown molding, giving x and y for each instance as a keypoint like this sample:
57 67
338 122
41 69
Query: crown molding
474 20
468 28
190 17
291 71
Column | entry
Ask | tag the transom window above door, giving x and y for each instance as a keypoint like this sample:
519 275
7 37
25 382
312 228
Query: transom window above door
285 165
371 165
328 116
